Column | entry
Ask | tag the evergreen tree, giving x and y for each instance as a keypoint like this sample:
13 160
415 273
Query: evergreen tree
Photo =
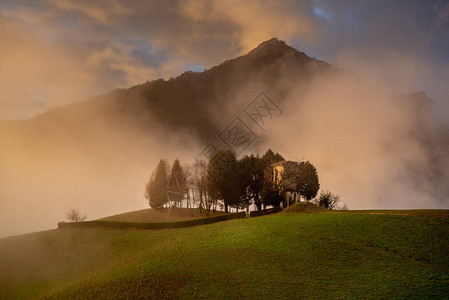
223 178
156 188
270 158
177 184
252 180
307 181
270 194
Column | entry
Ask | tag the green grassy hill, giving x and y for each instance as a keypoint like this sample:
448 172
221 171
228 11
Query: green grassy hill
166 215
285 255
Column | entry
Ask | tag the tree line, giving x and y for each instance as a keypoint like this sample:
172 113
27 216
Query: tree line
226 182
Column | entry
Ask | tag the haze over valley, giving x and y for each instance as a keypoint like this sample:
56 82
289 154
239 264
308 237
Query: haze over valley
371 118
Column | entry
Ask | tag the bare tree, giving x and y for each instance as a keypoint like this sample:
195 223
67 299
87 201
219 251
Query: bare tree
344 206
73 215
190 187
199 181
176 185
329 200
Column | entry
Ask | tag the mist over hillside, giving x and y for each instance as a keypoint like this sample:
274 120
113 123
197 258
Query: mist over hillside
374 148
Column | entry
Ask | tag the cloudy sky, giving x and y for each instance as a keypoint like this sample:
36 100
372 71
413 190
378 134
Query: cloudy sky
53 52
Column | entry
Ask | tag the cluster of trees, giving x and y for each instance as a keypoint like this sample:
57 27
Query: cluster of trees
239 183
225 181
170 187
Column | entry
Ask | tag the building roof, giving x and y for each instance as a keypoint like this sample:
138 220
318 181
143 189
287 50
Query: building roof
279 163
282 163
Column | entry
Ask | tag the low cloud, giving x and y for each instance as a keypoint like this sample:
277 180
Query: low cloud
59 51
365 143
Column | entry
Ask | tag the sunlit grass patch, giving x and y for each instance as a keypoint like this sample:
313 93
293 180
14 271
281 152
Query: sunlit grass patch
293 255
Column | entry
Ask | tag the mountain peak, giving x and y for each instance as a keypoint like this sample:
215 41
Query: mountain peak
272 48
273 42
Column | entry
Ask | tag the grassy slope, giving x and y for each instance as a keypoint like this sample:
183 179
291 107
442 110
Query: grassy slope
346 255
152 215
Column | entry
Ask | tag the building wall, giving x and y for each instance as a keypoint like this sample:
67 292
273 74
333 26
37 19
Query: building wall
277 174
